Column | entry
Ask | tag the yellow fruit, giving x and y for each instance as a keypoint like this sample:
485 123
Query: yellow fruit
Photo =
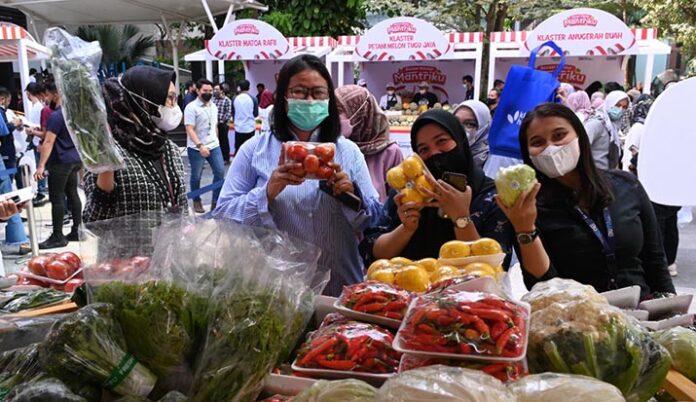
400 261
411 195
480 267
499 269
455 249
384 276
444 272
396 178
412 167
413 278
485 246
422 182
430 264
378 265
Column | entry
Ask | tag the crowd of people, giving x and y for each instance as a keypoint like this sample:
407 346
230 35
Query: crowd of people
586 219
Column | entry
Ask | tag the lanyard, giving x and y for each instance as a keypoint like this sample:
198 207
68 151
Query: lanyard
608 242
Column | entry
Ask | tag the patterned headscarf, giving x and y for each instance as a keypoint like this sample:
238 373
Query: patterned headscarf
641 108
579 102
370 126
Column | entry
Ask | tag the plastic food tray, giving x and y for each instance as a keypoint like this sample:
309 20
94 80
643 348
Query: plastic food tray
48 280
365 317
372 378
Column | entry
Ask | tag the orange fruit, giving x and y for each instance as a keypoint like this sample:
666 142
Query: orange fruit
411 195
412 167
396 178
486 246
455 249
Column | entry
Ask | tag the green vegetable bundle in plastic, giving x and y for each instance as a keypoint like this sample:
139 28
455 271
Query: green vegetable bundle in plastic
513 181
74 64
343 390
681 344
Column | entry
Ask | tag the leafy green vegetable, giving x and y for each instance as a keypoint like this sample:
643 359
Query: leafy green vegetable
513 181
25 300
343 390
48 389
681 344
89 344
18 366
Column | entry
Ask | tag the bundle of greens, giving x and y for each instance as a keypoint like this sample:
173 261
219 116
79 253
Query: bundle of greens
18 366
89 344
48 389
597 340
12 302
681 344
74 64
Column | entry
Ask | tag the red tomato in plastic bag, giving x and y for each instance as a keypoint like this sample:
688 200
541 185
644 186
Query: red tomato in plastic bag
325 172
37 265
298 171
325 152
71 259
297 152
73 284
311 164
59 270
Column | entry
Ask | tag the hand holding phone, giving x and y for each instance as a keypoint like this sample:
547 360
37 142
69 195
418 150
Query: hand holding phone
456 180
348 199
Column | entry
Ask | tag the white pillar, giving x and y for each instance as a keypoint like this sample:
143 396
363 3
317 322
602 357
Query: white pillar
23 62
221 71
209 70
491 67
647 80
477 71
175 58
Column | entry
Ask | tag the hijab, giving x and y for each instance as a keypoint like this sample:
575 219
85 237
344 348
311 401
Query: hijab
478 144
366 124
130 116
569 89
613 127
579 102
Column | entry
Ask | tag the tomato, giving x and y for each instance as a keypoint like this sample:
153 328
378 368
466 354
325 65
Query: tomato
325 152
59 270
71 259
297 152
325 172
23 280
73 284
37 265
311 164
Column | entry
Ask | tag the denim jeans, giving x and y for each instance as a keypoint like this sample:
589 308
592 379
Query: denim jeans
42 183
216 163
14 231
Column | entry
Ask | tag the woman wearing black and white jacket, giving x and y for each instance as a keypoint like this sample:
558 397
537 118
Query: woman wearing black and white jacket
141 108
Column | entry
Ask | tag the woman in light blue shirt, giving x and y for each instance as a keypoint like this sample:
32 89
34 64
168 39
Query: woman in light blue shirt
262 190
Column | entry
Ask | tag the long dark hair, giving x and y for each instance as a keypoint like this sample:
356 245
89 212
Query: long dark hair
330 127
594 184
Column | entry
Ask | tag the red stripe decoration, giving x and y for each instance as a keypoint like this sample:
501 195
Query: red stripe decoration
465 37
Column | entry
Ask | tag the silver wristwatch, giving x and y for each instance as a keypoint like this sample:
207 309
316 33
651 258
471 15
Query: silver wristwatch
462 222
527 237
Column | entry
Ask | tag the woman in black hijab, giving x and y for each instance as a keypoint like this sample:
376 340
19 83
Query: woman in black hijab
141 108
416 231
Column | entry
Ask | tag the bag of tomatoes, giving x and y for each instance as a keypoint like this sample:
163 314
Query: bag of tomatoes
409 178
316 159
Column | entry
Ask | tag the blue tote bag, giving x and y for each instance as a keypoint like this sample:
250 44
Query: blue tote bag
525 89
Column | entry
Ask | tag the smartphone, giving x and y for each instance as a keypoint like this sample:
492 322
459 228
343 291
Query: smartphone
350 200
456 180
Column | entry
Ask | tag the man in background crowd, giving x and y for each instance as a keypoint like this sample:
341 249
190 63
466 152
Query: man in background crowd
191 93
246 109
424 96
224 107
468 83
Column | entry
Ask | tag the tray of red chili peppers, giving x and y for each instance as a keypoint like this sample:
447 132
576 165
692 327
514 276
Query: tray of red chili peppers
374 302
465 325
504 371
349 350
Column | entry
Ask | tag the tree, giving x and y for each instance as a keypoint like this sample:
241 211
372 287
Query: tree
315 17
675 18
118 46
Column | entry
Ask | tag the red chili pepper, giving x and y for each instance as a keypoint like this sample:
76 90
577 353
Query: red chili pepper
490 314
369 363
336 364
427 329
465 348
394 315
502 304
370 308
396 305
501 342
417 316
432 314
481 327
494 368
461 317
317 351
497 329
471 334
444 321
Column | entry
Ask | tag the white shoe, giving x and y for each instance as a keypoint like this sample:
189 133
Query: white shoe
673 270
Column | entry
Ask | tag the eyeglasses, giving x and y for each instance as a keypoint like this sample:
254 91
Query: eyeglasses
304 92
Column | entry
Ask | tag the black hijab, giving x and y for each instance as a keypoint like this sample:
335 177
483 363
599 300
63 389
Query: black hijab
130 116
433 230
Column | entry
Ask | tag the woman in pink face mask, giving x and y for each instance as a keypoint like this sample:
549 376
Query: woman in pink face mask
595 226
364 123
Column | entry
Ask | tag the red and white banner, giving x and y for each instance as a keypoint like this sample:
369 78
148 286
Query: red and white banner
444 77
402 38
248 39
578 71
584 32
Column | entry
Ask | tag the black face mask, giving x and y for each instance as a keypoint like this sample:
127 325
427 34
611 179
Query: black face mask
451 161
491 102
207 97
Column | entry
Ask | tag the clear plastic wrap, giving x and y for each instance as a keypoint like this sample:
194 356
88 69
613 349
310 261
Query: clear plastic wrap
49 389
352 346
444 384
74 64
555 290
460 324
18 366
409 178
511 182
552 387
597 340
376 298
503 371
89 345
257 289
681 344
316 159
342 390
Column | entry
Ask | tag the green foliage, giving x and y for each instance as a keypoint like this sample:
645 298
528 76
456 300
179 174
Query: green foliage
315 17
675 18
124 45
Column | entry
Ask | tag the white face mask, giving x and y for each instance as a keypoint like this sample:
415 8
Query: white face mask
471 135
170 117
556 161
390 92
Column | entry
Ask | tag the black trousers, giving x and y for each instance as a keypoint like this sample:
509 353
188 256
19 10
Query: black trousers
240 139
669 231
223 130
62 181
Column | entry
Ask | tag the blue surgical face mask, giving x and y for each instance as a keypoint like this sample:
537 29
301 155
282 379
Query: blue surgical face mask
307 114
615 113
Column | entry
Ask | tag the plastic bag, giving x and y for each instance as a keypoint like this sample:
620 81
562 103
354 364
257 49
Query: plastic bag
555 290
511 182
257 288
409 178
316 159
458 324
503 371
552 387
18 366
343 390
353 346
597 340
444 384
681 344
49 389
74 64
376 298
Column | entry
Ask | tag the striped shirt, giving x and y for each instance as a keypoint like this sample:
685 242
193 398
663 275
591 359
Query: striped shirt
303 211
